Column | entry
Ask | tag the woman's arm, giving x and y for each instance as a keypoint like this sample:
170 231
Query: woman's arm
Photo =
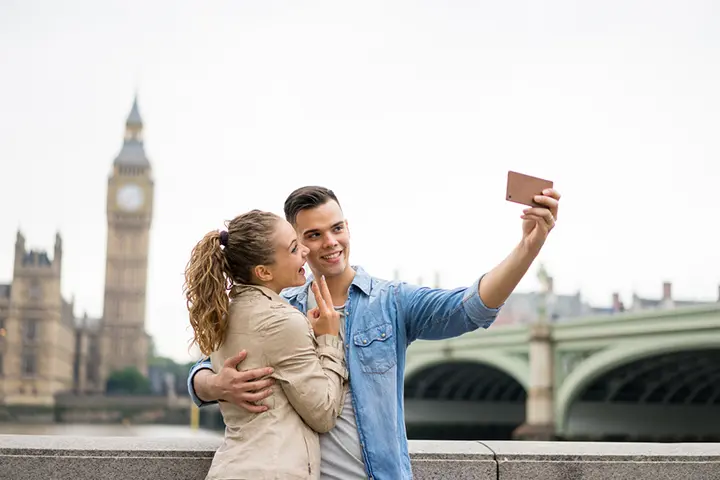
312 377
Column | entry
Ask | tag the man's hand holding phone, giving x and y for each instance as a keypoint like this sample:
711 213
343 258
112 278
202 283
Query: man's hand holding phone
542 201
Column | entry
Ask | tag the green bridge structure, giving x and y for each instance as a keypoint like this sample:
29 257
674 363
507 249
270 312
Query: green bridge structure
651 375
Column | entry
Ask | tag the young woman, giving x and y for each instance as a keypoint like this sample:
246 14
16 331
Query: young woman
257 257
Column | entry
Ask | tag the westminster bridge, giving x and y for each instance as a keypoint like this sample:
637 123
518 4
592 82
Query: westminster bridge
652 375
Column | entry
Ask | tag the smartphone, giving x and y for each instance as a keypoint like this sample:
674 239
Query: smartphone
522 188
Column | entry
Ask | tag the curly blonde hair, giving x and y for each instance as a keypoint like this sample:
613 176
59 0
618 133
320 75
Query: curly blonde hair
213 269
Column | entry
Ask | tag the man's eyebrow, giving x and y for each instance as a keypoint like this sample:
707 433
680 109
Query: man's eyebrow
317 230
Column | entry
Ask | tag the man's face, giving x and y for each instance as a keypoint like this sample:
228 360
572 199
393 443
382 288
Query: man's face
324 231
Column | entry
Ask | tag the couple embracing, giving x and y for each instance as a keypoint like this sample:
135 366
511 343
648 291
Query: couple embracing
317 390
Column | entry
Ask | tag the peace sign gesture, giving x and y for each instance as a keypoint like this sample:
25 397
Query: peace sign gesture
325 320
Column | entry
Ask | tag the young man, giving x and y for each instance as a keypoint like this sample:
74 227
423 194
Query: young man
380 320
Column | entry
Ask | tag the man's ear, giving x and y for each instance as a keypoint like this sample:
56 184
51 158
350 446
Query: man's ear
263 273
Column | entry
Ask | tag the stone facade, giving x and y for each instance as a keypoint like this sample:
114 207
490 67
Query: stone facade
37 327
44 348
31 457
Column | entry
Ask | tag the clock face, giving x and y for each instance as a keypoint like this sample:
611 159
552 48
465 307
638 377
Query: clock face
130 197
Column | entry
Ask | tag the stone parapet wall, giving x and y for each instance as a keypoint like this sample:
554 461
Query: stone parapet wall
24 457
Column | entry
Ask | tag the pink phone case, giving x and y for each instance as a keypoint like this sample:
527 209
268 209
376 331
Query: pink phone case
522 188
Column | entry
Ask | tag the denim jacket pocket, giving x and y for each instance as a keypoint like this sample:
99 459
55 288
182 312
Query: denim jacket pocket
377 351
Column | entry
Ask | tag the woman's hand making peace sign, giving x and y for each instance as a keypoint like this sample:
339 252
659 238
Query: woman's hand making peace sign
325 320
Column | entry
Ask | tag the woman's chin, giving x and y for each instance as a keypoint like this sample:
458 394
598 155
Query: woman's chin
300 280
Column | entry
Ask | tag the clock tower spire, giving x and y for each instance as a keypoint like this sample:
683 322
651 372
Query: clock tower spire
129 216
133 150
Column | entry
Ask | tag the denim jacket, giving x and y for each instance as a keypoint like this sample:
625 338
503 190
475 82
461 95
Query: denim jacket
383 318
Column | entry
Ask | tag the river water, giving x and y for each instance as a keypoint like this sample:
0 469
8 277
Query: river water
99 430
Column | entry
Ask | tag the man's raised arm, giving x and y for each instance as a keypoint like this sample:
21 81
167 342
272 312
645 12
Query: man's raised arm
434 314
500 282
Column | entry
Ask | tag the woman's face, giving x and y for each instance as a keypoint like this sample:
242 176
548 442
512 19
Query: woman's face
287 269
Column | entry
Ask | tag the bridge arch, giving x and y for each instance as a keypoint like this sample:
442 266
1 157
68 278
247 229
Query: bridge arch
462 399
596 367
458 380
514 367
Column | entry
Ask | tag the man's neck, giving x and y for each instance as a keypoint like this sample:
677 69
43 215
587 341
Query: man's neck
340 285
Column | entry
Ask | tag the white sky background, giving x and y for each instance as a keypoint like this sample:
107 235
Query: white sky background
411 111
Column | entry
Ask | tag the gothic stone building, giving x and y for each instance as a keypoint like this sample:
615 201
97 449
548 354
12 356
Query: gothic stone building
44 348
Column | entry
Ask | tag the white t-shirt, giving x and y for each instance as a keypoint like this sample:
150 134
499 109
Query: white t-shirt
340 452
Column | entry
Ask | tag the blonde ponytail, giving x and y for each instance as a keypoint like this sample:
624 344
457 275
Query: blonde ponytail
206 291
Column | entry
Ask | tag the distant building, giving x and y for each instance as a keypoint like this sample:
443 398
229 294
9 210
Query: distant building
37 340
665 301
44 348
523 308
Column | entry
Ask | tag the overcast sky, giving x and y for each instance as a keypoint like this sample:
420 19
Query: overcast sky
413 112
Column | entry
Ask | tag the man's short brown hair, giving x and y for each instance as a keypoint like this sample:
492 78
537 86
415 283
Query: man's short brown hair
307 197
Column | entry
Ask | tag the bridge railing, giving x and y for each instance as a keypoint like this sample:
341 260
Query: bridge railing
24 457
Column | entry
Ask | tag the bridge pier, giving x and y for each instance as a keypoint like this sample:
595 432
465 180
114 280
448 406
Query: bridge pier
540 410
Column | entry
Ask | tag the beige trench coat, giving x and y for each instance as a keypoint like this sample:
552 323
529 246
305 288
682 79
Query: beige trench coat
310 375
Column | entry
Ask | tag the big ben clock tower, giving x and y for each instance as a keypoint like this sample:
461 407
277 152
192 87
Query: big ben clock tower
124 341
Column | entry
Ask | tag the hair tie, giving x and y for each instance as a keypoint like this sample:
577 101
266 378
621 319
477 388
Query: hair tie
224 238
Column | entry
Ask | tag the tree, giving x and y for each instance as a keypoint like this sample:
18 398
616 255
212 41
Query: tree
129 381
178 370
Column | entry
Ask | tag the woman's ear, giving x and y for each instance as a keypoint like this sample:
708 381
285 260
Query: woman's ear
263 273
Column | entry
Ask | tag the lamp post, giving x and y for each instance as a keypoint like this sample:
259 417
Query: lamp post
540 408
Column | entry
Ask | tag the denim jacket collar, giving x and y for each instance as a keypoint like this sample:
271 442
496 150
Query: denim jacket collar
298 295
